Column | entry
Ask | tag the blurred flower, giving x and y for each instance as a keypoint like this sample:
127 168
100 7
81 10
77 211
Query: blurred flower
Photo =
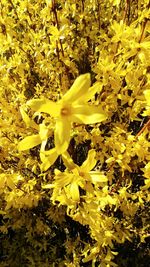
73 107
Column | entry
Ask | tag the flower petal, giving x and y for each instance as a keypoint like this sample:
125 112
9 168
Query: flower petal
97 87
87 114
43 132
79 88
62 135
74 191
98 177
147 96
90 162
48 158
45 105
27 120
29 142
68 161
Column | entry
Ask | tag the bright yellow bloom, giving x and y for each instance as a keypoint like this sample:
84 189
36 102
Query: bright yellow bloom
66 185
94 177
73 107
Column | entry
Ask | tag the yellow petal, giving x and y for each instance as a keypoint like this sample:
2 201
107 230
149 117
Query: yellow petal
48 186
68 161
43 132
45 105
74 191
48 158
87 114
10 183
98 177
2 180
29 142
27 120
90 162
97 87
147 96
62 135
79 88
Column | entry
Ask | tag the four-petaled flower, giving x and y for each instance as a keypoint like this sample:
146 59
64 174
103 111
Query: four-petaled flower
73 107
66 184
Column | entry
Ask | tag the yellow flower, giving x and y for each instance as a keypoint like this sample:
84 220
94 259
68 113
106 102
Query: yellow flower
66 185
73 107
94 177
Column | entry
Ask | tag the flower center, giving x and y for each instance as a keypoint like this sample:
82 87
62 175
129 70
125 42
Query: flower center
65 111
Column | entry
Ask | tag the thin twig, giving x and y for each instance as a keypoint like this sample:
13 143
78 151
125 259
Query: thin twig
147 124
143 30
57 24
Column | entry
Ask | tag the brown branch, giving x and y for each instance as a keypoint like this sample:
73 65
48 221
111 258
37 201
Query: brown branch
147 124
57 23
127 8
143 30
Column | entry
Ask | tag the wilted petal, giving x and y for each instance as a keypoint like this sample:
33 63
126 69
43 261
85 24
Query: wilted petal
62 135
48 158
79 88
45 105
90 162
87 114
29 142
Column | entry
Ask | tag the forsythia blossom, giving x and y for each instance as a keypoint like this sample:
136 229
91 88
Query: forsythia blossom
66 184
73 107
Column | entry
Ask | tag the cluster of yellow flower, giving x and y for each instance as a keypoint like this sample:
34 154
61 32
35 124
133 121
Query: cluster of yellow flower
80 154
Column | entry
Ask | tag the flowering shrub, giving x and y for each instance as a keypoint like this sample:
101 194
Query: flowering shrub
74 133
